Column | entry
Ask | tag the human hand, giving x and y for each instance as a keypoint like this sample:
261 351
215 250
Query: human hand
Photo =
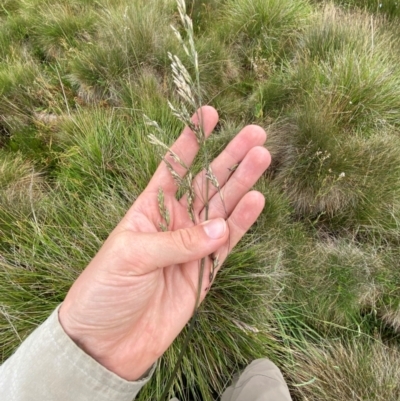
139 291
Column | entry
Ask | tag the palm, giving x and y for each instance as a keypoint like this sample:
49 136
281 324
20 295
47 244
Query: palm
144 308
169 293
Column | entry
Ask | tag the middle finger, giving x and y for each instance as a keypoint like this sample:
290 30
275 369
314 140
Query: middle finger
241 181
234 153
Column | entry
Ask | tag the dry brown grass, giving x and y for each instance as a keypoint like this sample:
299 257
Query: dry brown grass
358 371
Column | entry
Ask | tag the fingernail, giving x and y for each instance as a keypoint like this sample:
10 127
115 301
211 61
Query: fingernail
215 228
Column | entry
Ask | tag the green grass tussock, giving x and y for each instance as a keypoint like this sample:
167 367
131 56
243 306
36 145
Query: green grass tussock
260 32
339 96
130 38
262 22
64 28
314 285
106 151
388 8
21 183
349 294
355 192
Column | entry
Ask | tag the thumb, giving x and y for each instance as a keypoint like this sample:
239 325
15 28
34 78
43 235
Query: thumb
181 246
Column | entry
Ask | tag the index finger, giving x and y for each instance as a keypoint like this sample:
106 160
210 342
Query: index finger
186 147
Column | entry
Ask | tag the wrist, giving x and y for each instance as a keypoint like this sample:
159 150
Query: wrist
129 364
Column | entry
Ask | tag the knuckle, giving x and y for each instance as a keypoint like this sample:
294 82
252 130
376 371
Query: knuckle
185 240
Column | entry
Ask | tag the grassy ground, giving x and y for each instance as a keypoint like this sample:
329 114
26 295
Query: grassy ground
315 286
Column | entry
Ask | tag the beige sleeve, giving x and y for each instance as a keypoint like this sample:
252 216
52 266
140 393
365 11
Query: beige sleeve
49 366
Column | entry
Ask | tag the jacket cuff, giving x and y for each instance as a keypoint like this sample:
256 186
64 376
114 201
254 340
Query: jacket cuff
49 365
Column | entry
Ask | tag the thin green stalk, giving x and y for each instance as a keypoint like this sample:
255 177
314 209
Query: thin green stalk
200 282
188 335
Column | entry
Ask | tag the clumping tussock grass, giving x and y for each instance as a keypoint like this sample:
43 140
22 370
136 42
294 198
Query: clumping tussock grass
359 370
